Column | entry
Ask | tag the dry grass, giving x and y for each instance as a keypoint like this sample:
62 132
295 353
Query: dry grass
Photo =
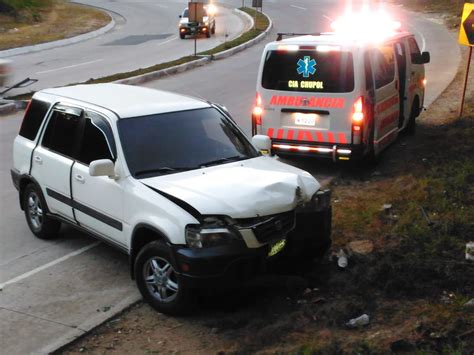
450 10
58 21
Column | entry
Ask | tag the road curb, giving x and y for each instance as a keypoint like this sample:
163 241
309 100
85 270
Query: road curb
8 108
60 43
140 79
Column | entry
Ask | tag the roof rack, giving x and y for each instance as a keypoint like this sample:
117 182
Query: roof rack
281 34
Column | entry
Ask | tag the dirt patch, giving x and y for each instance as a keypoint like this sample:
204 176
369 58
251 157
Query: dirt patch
53 21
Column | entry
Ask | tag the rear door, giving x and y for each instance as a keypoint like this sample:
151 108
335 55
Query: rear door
307 94
387 101
54 157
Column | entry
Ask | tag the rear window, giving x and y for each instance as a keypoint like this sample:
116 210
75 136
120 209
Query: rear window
309 71
34 117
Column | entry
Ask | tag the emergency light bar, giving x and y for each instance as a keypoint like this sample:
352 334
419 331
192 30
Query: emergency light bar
365 26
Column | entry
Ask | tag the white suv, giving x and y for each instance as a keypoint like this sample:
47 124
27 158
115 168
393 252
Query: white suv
171 180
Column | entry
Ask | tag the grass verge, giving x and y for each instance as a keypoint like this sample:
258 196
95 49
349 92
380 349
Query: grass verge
24 23
450 9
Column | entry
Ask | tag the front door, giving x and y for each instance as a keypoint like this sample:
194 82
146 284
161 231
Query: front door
401 55
97 200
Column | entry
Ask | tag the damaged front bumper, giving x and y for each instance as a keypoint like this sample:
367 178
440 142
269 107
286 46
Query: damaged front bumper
228 265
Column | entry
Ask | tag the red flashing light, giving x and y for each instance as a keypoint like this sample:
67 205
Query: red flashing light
358 114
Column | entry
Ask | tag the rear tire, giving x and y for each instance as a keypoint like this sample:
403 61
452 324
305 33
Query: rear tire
371 158
208 34
158 281
35 209
213 31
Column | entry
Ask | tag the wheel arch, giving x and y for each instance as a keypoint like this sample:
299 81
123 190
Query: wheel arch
26 180
143 234
416 100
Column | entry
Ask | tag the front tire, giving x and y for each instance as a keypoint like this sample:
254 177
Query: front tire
158 281
35 209
411 126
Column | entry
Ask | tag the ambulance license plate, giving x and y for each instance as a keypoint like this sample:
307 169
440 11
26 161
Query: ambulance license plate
305 120
277 247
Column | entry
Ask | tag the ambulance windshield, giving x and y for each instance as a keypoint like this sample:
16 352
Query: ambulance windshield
309 71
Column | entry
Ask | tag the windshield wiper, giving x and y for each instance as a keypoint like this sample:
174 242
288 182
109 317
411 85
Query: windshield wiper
163 170
223 160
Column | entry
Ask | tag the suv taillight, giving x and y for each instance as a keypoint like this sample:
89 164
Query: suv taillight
257 114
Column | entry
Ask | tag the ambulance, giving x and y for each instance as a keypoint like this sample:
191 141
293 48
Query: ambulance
343 95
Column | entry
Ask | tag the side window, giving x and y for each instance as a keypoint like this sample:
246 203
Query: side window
94 145
34 117
414 49
369 79
61 133
384 65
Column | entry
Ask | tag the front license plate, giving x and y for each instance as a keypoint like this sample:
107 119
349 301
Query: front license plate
277 247
305 120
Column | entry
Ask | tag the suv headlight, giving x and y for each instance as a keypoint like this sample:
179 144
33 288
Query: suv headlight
198 236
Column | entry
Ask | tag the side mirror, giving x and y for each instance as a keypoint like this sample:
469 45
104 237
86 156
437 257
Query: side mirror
262 143
180 16
102 167
423 58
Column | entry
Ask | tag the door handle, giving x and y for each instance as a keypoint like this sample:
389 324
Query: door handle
38 159
79 178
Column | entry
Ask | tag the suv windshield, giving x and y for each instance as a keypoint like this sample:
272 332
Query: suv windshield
178 141
310 71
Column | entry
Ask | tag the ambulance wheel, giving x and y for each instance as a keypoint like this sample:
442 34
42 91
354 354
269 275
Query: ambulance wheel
415 111
213 30
181 35
208 34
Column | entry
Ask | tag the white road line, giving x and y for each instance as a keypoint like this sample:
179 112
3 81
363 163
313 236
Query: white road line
45 266
423 39
298 7
168 40
69 66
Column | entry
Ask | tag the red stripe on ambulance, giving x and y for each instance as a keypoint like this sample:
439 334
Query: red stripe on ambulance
385 105
308 136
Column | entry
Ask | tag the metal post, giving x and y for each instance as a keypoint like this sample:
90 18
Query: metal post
195 31
465 82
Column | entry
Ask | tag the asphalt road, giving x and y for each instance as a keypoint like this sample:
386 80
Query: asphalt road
145 33
58 289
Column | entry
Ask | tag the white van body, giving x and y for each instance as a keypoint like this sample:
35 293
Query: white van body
330 96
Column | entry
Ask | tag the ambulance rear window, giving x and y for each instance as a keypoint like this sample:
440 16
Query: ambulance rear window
309 71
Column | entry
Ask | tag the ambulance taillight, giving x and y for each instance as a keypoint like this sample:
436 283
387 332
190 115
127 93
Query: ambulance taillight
357 120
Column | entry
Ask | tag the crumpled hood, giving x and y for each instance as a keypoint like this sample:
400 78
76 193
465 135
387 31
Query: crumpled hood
255 187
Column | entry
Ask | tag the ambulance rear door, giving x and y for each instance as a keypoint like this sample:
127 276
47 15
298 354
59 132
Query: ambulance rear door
307 94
